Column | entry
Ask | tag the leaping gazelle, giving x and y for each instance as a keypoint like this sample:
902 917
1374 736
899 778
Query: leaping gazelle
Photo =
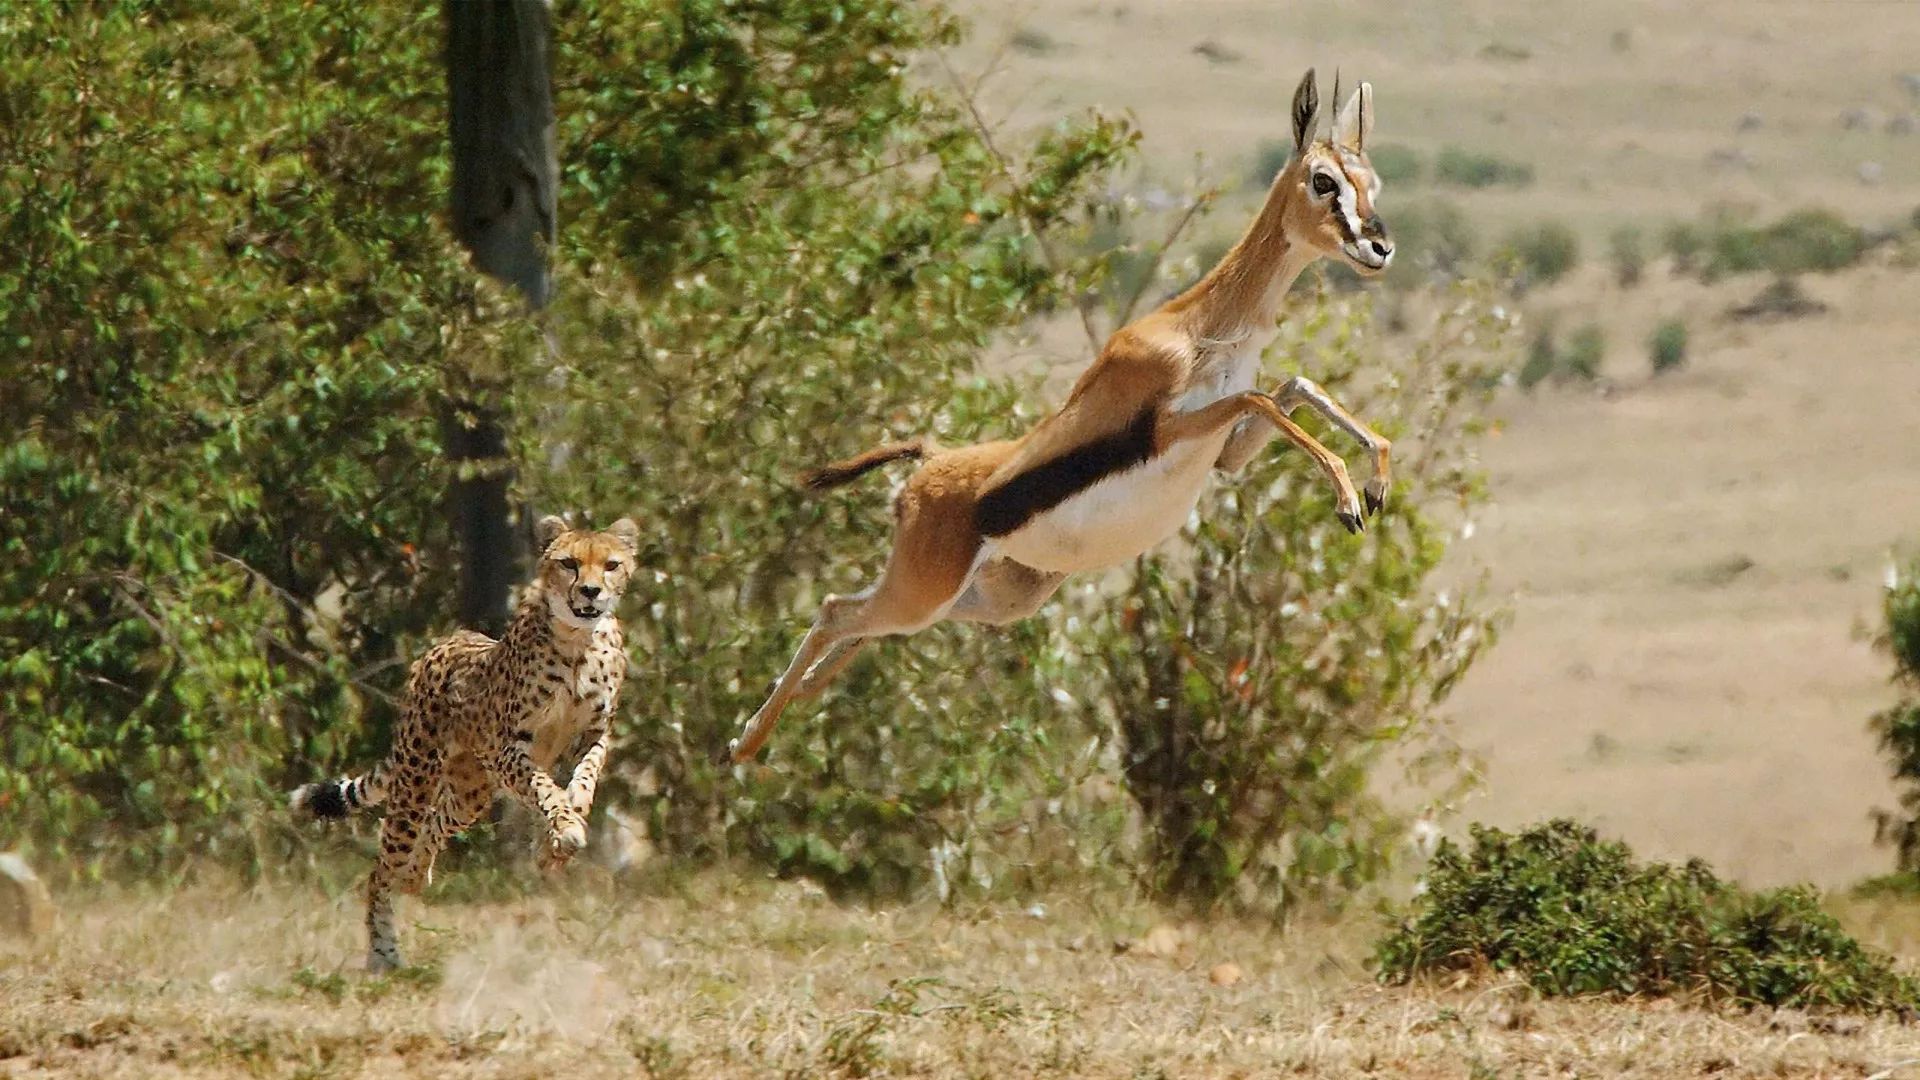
987 533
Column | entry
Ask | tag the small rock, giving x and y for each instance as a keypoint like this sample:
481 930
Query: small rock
1511 1016
26 908
1911 81
1224 974
1162 940
1903 125
1751 121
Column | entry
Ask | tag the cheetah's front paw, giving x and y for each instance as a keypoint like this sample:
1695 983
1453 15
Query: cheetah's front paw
563 843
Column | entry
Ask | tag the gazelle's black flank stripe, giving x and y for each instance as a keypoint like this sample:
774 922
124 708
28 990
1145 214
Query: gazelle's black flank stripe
1046 485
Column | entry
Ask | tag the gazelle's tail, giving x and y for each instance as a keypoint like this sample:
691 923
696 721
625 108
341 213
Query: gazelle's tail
338 798
842 472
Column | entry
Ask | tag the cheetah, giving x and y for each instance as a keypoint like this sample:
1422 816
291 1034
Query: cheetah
481 715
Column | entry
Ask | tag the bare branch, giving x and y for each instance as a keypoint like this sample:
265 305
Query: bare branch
1199 201
1082 302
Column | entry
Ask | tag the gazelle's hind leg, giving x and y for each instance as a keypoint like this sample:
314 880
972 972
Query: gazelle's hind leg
828 667
1003 591
935 552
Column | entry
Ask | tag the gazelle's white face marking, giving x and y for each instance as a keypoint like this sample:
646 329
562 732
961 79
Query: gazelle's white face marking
1342 185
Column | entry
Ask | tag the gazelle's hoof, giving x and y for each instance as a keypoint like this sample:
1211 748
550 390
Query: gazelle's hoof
1354 522
1376 501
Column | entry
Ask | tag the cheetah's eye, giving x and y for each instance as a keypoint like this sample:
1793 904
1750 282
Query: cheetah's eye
570 563
612 565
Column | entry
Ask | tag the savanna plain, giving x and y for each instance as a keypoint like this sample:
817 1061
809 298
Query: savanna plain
1694 561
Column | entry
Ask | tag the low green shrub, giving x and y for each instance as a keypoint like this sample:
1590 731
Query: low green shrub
1395 164
1573 914
1543 252
1668 346
1543 359
1629 256
1585 350
1475 170
1683 241
1805 240
1898 727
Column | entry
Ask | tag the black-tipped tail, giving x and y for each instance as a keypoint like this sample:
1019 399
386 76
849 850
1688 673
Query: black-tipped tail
326 799
335 799
841 472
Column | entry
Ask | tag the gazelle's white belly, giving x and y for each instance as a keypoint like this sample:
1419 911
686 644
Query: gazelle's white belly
1126 514
1118 518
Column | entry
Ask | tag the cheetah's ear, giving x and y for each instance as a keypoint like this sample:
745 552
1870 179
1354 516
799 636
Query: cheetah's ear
547 530
627 531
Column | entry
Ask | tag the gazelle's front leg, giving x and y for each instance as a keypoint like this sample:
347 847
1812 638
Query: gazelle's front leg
1253 433
1209 420
1301 390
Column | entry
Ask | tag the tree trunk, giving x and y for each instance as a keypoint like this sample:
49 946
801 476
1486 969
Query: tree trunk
501 125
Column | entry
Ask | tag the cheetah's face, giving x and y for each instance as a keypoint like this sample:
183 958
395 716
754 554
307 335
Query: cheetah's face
584 573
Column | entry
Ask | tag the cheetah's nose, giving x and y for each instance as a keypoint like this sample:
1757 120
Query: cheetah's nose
589 591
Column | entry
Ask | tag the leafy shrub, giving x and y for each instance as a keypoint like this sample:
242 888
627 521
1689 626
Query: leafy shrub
1684 242
1668 346
1469 169
1629 256
1543 252
1543 359
1586 350
1251 683
258 289
1395 163
1805 240
1898 728
1433 238
1271 157
1573 914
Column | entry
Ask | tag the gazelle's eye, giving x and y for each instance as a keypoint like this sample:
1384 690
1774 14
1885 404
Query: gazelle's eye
1322 184
612 565
570 563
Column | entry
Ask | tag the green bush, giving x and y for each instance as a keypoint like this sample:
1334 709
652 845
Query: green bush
1586 350
1394 163
1629 256
1469 169
1573 914
1805 240
1543 359
1543 252
1684 242
1268 160
1668 346
1898 727
236 324
1432 238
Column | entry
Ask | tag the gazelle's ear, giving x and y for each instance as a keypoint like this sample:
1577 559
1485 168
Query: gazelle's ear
1355 122
1306 105
547 530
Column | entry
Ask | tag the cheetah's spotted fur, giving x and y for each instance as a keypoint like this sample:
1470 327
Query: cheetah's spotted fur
480 716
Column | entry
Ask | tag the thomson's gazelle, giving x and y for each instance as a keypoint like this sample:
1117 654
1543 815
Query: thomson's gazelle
987 533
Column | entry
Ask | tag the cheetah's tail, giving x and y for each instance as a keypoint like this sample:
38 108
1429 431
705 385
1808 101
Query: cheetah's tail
338 798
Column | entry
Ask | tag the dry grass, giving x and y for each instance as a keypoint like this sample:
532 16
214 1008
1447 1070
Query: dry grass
724 977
